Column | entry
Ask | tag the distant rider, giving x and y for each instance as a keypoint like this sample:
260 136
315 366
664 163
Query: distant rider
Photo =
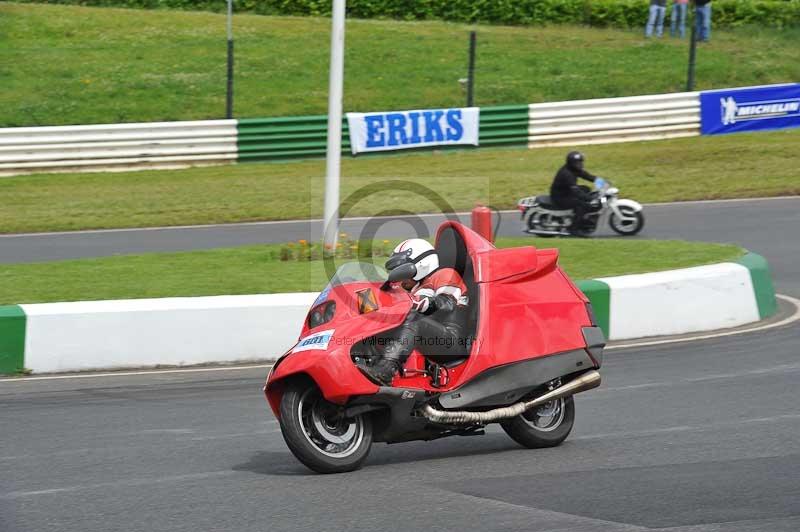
567 194
437 320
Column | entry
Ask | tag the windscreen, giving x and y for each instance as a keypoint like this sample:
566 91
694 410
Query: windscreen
353 272
358 272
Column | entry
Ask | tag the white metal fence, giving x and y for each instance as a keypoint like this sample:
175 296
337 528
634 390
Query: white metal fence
116 146
609 120
180 144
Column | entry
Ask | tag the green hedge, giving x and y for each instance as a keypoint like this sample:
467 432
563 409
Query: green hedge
617 13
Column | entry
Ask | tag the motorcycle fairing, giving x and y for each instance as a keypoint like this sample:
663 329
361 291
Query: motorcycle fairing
329 364
634 205
522 306
503 385
528 307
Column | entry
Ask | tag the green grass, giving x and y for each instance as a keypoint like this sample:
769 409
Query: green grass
254 269
742 165
77 65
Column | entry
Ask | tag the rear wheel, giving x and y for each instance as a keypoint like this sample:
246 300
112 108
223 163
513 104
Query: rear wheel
545 426
319 435
630 225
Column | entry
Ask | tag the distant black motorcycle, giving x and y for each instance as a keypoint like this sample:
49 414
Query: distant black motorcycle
541 217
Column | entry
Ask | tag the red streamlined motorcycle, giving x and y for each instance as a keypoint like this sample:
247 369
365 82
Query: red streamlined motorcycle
533 343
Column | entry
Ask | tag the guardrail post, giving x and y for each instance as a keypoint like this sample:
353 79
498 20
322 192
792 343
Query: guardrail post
692 56
471 69
229 91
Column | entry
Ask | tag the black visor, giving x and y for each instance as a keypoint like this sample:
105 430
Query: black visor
404 257
401 257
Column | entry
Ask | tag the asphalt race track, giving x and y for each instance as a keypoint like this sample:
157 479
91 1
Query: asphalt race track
683 437
764 226
686 437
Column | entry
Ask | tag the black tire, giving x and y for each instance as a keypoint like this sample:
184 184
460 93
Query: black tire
306 442
524 431
624 229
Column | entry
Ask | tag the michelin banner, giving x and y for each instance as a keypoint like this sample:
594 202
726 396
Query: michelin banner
750 109
412 129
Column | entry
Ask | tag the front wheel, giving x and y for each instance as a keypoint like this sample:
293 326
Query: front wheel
628 226
319 435
545 426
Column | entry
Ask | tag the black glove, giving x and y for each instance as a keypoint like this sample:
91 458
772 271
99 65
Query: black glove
429 305
445 302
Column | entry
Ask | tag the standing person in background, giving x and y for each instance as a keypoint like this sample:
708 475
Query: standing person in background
677 19
702 17
657 10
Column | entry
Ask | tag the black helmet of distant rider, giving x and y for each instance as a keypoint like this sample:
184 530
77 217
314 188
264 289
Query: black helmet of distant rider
575 160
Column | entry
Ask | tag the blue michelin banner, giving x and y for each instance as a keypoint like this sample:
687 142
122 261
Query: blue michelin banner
750 109
412 129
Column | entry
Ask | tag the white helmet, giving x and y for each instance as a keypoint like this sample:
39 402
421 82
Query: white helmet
418 252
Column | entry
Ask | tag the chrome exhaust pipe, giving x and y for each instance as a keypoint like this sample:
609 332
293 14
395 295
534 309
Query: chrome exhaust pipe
587 381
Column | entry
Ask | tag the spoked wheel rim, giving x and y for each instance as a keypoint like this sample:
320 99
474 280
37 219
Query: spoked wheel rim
547 417
630 224
326 429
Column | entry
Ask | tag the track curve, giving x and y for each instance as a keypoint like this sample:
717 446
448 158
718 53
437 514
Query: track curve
684 437
679 437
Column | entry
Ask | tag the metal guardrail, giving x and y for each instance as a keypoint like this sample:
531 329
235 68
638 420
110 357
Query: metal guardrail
610 120
117 146
503 126
182 144
264 139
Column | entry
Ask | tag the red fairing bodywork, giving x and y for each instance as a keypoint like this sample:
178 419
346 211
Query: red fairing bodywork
528 309
333 369
529 315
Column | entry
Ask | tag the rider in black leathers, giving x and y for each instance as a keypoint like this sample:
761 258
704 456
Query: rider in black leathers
567 194
436 323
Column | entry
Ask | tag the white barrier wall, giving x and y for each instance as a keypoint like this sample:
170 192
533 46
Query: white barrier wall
703 298
95 335
173 331
117 146
608 120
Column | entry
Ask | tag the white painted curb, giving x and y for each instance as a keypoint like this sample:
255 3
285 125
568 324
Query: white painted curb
150 332
142 333
703 298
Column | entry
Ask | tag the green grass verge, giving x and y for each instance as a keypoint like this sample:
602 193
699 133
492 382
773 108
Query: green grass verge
732 166
255 269
80 65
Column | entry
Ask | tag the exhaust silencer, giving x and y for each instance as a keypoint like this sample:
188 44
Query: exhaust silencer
587 381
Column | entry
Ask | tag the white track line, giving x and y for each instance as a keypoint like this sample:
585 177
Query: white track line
729 200
791 319
344 220
133 373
